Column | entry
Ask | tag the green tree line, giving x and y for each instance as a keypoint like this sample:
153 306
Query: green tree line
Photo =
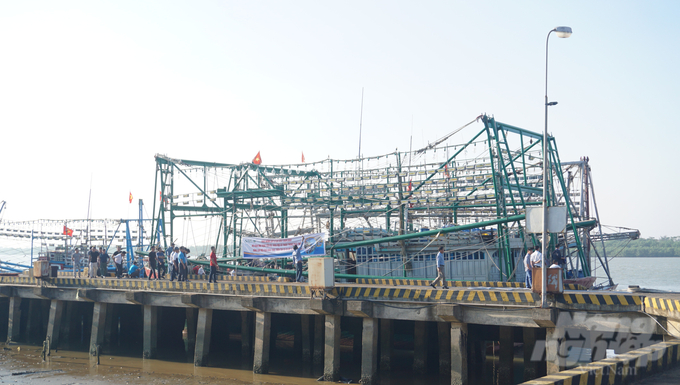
643 247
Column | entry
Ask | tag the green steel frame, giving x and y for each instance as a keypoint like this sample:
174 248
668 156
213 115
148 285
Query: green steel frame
498 182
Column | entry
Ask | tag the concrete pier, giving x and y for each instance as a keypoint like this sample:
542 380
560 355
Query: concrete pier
444 339
306 339
555 350
331 364
150 334
506 373
459 352
386 344
90 311
319 340
14 323
420 347
246 334
530 364
54 323
369 351
98 325
204 328
262 340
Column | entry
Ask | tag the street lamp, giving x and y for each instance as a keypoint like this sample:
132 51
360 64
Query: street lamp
562 32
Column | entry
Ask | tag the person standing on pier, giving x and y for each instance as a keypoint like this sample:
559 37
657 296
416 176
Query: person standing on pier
160 257
536 257
94 262
169 252
76 263
174 260
440 270
527 267
182 262
103 262
213 266
118 260
297 260
153 264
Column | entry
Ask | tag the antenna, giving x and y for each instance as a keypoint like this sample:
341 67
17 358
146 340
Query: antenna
361 119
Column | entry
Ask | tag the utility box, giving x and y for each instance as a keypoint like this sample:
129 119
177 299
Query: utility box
555 284
41 269
321 273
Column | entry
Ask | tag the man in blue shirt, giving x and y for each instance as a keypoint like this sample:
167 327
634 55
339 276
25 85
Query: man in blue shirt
182 259
440 269
297 260
134 271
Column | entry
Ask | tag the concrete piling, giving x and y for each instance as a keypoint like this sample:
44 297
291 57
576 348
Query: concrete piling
14 323
150 334
262 340
506 369
369 351
203 333
246 334
306 339
98 325
331 366
319 339
530 364
459 351
420 347
54 323
386 344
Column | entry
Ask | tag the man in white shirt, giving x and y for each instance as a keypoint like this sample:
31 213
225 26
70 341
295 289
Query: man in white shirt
536 258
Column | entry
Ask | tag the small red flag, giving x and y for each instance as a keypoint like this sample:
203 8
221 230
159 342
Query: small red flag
130 197
303 157
68 231
257 160
446 170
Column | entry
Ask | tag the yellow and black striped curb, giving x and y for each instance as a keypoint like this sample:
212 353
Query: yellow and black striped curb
572 286
424 282
599 299
451 295
621 369
662 304
283 289
249 278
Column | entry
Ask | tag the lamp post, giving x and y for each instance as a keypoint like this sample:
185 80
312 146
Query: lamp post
562 32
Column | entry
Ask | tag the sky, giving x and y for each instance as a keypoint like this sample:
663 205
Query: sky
90 91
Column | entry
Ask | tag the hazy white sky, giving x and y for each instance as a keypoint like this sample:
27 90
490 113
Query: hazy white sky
91 90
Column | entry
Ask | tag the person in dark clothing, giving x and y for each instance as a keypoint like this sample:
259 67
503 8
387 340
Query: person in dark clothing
160 257
152 263
94 262
103 262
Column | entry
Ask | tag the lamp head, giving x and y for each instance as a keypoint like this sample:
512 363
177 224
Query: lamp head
563 32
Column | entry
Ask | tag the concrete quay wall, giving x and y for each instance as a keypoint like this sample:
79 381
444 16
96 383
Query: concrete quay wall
451 330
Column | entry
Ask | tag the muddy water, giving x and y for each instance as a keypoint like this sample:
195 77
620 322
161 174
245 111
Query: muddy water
23 364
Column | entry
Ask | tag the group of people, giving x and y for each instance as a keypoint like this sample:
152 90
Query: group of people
534 258
97 262
176 263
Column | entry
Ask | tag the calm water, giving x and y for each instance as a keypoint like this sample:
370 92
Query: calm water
650 273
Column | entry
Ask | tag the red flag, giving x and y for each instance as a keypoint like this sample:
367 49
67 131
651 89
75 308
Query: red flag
68 231
130 197
257 160
303 157
446 170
